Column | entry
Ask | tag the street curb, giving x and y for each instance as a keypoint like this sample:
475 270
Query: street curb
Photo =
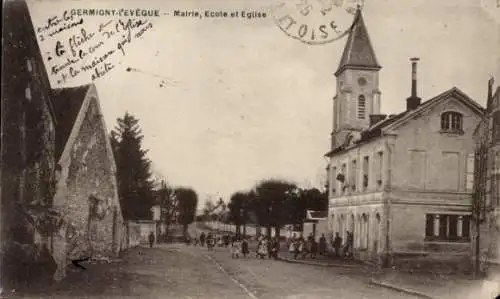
293 261
399 289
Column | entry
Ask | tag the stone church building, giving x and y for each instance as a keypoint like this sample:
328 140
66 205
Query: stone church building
400 183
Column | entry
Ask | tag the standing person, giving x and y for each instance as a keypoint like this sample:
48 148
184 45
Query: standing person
347 245
337 242
210 241
276 248
291 246
350 241
314 248
244 247
310 237
303 247
262 251
296 248
202 239
236 249
270 245
322 245
345 249
151 239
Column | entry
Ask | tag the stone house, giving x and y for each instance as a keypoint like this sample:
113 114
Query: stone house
57 178
487 183
27 178
86 188
401 184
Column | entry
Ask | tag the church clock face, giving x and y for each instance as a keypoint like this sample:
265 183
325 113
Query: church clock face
362 81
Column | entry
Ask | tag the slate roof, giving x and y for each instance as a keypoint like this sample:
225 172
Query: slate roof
358 51
376 129
67 105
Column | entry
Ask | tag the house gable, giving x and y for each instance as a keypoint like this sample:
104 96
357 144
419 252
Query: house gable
87 189
425 147
428 106
82 103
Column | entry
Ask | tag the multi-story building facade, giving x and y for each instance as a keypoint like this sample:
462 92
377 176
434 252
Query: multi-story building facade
401 184
487 184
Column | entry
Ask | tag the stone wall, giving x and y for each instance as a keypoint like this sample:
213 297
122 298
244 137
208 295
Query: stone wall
27 151
87 194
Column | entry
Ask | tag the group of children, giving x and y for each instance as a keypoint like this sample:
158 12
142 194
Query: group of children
268 247
239 245
304 248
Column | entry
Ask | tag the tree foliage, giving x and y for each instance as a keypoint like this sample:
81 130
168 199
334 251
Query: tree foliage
135 187
274 203
168 204
187 202
270 203
315 199
240 208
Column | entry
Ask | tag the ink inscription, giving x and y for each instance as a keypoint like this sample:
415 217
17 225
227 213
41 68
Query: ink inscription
80 49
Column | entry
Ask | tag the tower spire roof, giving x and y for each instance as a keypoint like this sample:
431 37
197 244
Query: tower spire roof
358 52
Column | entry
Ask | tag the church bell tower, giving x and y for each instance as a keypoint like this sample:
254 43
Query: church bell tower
357 76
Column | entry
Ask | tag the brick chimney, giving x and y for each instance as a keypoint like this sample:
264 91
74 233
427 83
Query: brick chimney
375 118
413 101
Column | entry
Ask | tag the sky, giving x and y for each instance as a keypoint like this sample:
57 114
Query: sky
249 102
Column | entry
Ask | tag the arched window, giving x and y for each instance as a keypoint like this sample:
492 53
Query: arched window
361 107
451 121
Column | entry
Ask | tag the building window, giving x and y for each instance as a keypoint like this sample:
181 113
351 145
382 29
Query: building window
353 175
366 172
465 227
453 227
380 158
361 107
341 177
451 121
447 227
429 225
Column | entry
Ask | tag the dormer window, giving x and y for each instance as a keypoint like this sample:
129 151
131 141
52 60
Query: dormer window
452 122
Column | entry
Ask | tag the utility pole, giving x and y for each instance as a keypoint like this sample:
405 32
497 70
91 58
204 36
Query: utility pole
162 202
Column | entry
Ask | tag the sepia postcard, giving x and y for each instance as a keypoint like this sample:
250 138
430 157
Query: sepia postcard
250 149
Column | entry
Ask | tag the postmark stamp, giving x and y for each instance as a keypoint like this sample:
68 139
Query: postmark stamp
316 22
